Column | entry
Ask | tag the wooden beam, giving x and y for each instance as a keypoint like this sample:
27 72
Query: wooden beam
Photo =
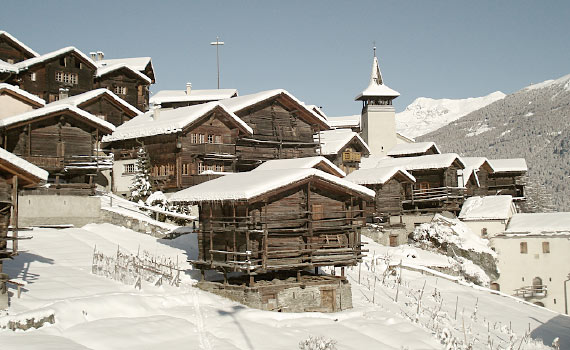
15 213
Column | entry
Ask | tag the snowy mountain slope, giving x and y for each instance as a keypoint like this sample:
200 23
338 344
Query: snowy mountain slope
427 114
93 312
533 123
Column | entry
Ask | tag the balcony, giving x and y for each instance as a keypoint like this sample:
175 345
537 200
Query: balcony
71 162
351 156
212 149
534 291
435 194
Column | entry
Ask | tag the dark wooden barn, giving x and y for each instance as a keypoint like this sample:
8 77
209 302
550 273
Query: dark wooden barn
508 177
63 140
475 176
277 220
126 82
13 50
344 147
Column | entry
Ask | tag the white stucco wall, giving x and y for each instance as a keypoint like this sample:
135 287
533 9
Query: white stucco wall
379 129
553 268
493 227
10 106
121 181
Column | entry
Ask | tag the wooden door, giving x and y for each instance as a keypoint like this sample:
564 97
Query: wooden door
328 299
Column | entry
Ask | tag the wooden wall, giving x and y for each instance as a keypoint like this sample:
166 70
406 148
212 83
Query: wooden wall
10 51
137 89
111 112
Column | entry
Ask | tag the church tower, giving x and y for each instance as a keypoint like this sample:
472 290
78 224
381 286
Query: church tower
378 120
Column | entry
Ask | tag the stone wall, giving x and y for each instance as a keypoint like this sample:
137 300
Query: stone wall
34 210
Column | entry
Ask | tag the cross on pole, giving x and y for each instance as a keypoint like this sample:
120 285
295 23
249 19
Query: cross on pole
217 44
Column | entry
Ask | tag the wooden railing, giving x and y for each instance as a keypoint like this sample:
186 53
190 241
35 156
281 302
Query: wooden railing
351 156
212 148
533 291
435 194
71 162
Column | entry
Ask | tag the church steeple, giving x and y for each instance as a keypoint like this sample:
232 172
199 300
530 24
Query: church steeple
377 92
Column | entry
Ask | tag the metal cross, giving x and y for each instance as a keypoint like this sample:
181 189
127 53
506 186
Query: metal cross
217 43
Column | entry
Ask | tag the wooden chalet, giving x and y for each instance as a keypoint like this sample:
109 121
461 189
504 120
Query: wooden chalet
104 104
12 50
126 82
475 176
508 177
183 144
436 188
141 64
318 162
391 184
343 147
14 100
283 127
415 149
64 72
63 140
277 220
189 97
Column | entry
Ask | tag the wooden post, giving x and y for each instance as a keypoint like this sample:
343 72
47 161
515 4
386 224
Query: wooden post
234 235
211 238
29 150
342 271
15 213
309 237
298 275
251 280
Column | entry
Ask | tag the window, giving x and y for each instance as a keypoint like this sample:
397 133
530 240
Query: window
194 138
65 77
210 138
185 169
218 139
201 167
62 61
120 90
200 138
129 168
33 76
524 248
219 167
424 186
546 247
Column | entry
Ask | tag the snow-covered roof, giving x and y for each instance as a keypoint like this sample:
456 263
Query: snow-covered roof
376 88
166 96
348 121
299 163
23 165
101 71
6 67
508 165
472 165
53 109
168 122
318 110
19 43
138 63
431 161
377 175
48 56
332 141
23 93
537 223
412 148
236 104
405 138
248 185
487 208
76 100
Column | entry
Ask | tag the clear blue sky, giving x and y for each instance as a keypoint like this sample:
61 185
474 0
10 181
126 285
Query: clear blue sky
321 51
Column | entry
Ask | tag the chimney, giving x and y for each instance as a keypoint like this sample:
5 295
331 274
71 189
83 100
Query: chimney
188 88
93 55
100 55
155 112
63 93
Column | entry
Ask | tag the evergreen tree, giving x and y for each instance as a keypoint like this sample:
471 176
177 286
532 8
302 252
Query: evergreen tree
141 186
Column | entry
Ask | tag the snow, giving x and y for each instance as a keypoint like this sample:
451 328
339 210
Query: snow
164 96
536 223
481 129
19 43
431 161
425 115
236 104
300 163
48 56
247 185
168 121
549 83
76 100
17 90
376 88
487 208
138 63
472 166
23 165
93 312
101 71
509 164
412 148
53 109
377 175
333 141
349 121
6 67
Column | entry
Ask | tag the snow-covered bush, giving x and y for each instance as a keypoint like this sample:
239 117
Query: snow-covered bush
317 343
141 187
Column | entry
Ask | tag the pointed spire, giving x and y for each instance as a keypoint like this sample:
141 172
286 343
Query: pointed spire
376 87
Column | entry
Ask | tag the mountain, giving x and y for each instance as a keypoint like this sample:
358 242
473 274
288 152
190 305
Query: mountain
427 114
533 123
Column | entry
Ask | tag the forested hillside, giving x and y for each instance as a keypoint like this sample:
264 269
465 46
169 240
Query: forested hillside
533 123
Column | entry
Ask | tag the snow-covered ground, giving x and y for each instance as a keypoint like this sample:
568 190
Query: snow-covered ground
92 312
427 114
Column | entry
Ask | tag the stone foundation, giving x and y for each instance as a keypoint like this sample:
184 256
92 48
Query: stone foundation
311 293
